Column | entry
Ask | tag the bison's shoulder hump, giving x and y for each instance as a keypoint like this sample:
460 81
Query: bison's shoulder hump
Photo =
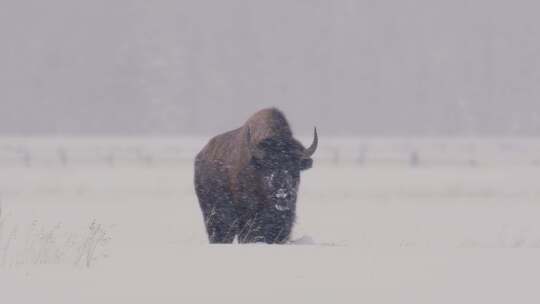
268 123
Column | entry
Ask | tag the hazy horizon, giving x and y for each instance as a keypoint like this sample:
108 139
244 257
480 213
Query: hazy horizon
370 68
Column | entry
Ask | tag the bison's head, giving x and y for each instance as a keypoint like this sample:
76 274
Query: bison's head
278 162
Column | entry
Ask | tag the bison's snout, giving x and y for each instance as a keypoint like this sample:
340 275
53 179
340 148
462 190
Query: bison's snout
283 200
282 208
281 194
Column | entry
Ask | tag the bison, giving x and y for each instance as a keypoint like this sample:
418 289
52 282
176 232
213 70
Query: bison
247 180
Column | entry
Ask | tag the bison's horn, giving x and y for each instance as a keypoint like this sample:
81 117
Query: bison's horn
253 150
309 151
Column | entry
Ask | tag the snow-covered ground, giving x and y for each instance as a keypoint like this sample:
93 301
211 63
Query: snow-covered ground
379 221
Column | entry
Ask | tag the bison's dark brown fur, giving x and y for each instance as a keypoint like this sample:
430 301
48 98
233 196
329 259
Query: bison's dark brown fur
247 180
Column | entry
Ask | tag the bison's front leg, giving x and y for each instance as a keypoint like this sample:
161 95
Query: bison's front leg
249 228
277 226
267 227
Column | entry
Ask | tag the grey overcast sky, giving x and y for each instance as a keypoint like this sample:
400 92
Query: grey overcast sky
369 67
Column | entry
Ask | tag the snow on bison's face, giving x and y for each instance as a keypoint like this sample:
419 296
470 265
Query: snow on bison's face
278 171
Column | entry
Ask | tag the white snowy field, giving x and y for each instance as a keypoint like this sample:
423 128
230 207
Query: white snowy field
379 221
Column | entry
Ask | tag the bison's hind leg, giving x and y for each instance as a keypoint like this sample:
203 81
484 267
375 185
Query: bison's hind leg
219 216
220 227
220 222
